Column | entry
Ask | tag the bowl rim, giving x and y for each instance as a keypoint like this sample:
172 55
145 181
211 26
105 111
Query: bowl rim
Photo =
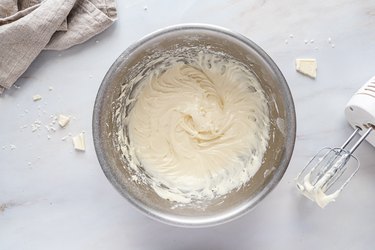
180 220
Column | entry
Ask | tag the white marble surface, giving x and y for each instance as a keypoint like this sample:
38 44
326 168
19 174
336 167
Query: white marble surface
52 197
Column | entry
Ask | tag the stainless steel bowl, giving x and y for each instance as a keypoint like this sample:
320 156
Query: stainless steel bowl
282 114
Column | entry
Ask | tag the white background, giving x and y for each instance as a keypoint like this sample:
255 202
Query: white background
52 197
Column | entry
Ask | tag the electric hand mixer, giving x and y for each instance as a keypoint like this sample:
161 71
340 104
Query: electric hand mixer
331 169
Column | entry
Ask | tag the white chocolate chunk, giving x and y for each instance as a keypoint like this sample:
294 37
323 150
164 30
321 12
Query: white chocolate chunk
37 98
63 120
79 142
307 67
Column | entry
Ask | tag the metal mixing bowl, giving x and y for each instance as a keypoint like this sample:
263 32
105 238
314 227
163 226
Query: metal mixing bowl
282 116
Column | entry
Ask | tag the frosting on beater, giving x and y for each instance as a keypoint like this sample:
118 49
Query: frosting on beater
199 128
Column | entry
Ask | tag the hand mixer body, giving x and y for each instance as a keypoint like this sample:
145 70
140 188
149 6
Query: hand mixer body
360 110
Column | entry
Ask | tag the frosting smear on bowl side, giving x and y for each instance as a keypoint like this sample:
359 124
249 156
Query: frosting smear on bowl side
199 128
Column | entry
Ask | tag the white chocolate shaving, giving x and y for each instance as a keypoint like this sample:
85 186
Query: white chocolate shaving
37 98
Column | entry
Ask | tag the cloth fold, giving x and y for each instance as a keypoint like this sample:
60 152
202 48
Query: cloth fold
29 26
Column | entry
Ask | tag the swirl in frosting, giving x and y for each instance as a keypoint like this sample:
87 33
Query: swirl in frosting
199 128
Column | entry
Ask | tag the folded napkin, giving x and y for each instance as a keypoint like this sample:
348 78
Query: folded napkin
29 26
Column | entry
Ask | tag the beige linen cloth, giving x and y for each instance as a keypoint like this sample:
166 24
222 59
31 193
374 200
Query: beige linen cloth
29 26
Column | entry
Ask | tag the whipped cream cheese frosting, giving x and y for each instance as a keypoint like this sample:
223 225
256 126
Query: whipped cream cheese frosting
199 128
316 188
